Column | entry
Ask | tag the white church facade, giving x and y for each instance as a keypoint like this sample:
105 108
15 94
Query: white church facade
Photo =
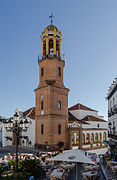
93 129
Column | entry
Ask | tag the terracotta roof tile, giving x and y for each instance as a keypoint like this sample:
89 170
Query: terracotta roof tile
93 118
72 118
30 113
80 106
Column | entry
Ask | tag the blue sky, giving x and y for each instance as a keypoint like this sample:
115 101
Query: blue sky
89 29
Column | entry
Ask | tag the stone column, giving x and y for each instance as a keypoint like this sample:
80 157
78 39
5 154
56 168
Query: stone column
47 44
80 138
42 48
55 44
70 140
60 48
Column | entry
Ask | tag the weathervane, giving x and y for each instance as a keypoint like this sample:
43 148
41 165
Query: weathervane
51 17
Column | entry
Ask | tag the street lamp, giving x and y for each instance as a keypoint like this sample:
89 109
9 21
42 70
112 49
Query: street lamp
16 125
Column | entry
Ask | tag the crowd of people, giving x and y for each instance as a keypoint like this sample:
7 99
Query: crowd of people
51 169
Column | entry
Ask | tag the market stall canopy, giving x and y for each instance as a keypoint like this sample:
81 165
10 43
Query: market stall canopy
73 156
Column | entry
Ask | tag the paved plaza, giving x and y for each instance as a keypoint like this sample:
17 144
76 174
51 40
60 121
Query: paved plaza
11 150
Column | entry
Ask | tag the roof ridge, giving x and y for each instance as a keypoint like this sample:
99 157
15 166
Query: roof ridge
80 106
96 117
29 112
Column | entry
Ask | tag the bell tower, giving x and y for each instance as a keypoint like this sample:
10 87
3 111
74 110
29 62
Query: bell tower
51 114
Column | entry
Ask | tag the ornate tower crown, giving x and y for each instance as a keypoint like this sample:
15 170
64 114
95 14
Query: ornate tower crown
51 42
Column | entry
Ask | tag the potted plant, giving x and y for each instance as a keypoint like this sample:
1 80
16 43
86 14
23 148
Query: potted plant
46 142
61 145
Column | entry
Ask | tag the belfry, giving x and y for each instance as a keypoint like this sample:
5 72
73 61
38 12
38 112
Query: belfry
51 96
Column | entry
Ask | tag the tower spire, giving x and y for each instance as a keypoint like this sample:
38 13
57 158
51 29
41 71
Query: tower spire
51 17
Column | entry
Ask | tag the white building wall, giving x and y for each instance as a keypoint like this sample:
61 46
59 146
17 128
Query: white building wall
30 131
94 124
112 102
4 134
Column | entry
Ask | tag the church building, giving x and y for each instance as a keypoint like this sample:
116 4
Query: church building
55 124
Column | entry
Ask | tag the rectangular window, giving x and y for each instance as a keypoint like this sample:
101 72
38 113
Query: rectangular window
42 129
59 129
42 71
59 105
41 105
59 71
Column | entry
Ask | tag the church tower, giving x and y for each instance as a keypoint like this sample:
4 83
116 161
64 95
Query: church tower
51 113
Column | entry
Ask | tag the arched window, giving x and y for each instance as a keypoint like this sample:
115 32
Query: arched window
51 48
59 105
104 136
59 71
42 105
59 129
44 48
92 137
100 137
42 71
42 129
83 138
77 138
96 137
88 138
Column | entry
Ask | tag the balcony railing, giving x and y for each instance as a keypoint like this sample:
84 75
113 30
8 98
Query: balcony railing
113 136
112 111
111 132
40 57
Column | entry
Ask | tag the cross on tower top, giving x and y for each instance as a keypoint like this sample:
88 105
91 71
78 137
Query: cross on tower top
51 17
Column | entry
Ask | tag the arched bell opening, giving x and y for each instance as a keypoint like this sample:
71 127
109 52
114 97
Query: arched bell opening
57 48
44 48
51 47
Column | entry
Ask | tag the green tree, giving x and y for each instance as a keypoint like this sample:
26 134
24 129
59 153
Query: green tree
30 167
2 170
12 163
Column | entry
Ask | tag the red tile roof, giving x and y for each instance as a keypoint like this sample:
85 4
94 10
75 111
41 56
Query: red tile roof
80 106
30 113
93 118
72 118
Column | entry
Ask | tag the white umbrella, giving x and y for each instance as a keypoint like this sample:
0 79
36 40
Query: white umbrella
73 156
